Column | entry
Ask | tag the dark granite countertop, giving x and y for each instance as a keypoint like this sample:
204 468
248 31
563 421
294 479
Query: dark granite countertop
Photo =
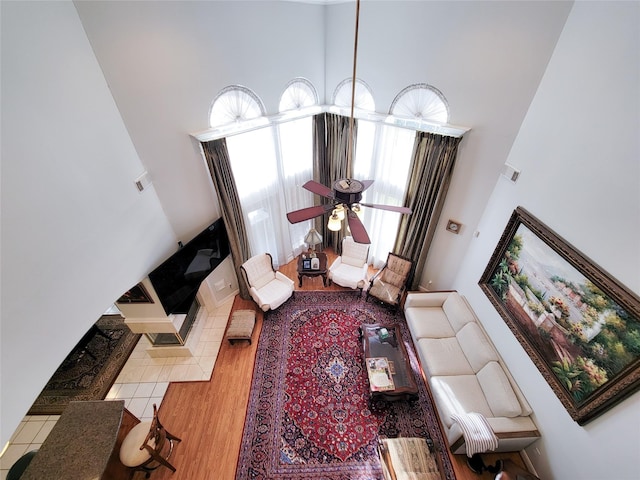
80 443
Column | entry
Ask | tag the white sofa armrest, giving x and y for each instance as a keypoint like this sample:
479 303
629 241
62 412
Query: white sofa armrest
426 299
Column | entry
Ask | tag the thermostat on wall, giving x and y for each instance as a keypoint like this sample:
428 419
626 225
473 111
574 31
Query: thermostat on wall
453 226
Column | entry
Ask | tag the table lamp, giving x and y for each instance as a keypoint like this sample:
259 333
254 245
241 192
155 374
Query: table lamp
312 239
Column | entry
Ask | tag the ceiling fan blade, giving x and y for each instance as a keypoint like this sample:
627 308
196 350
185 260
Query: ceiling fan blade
366 184
358 232
319 189
303 214
391 208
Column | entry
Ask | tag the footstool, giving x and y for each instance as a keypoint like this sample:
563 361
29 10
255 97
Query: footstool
241 328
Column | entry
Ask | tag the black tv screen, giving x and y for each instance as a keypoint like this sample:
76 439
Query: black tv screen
176 281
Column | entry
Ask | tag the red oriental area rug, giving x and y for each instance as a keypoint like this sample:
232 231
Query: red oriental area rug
310 414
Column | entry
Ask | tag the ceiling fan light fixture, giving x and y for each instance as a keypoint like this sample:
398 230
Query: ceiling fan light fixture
357 209
334 223
339 210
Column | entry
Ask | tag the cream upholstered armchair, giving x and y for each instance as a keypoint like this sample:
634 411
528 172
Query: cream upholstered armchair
350 269
268 287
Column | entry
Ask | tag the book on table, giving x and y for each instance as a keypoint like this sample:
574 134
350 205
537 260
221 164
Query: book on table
379 371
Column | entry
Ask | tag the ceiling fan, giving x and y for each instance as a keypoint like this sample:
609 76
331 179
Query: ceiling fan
345 195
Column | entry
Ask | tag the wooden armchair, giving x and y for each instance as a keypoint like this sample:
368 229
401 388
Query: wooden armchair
147 446
390 282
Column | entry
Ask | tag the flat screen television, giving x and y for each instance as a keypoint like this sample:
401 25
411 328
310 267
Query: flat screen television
177 279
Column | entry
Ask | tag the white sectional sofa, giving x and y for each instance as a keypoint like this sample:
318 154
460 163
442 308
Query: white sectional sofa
465 372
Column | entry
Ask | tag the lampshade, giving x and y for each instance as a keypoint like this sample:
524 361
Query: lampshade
334 222
357 209
339 210
313 238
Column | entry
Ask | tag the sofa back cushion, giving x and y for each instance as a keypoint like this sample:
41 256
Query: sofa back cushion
443 356
428 322
498 391
476 346
457 311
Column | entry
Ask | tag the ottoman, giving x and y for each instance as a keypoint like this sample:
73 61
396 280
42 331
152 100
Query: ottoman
241 328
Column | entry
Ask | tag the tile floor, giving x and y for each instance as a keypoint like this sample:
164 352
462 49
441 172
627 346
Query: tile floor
142 382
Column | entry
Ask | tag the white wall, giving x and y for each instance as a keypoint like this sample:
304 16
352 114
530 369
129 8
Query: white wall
486 57
578 151
76 233
166 61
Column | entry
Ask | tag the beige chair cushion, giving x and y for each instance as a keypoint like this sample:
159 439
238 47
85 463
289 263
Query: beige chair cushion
130 453
396 271
259 270
387 292
354 254
242 323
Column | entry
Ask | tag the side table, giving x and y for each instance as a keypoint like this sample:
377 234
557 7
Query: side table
308 272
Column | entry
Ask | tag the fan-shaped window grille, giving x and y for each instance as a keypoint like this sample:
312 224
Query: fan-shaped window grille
234 104
421 101
363 98
298 94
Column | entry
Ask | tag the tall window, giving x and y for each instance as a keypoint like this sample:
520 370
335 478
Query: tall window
269 165
383 154
272 162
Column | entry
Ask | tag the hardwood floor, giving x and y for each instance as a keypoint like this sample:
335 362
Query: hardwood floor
209 416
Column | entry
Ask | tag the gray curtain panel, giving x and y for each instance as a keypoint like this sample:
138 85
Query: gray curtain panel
217 157
331 163
434 157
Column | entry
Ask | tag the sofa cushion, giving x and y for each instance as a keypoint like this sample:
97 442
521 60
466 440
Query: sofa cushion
498 392
428 322
457 311
458 394
444 357
476 346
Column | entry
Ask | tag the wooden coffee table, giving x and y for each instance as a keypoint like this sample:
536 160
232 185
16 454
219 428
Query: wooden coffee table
309 272
387 357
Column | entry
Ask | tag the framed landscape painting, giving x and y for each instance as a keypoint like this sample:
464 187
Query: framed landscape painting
578 324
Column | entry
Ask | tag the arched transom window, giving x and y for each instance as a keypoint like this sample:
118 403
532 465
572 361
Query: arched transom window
421 101
363 98
299 93
235 103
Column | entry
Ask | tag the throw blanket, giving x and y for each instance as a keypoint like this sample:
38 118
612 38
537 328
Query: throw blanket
477 432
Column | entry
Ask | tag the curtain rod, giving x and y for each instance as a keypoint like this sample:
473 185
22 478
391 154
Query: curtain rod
379 118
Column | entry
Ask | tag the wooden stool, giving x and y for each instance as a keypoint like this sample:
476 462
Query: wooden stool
241 328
